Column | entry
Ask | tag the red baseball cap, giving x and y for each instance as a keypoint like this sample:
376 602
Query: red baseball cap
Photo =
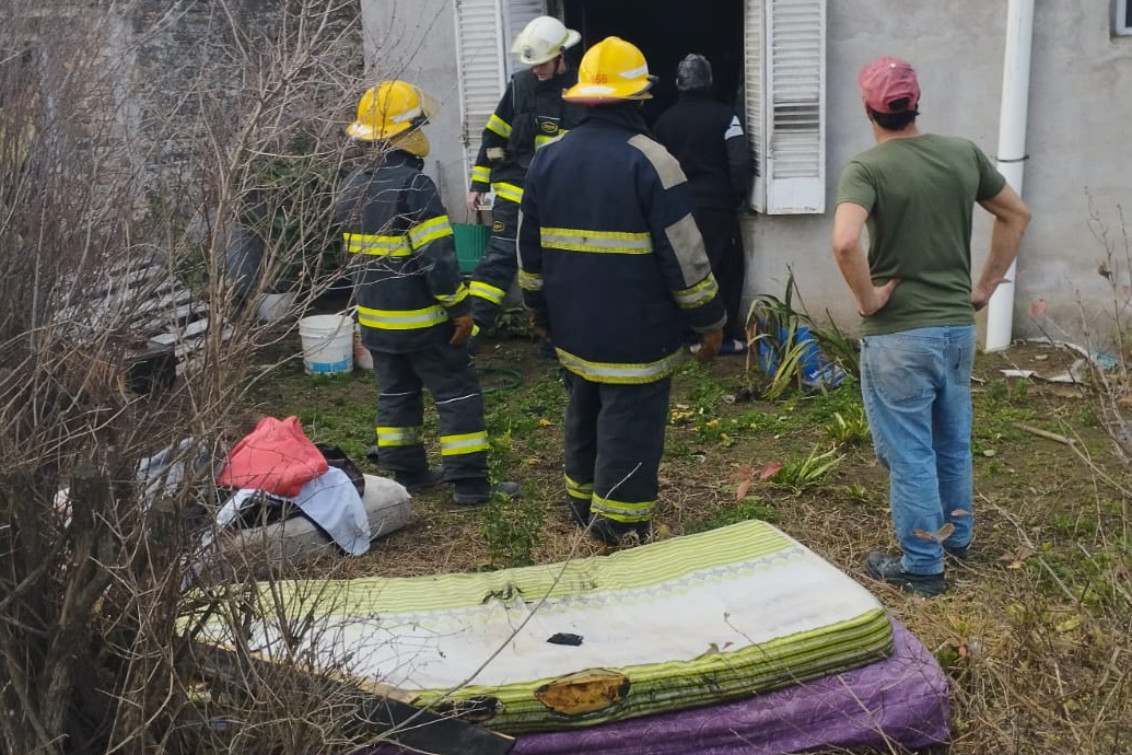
888 79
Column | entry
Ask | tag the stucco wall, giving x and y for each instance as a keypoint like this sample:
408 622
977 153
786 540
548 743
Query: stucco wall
1079 109
416 40
1075 140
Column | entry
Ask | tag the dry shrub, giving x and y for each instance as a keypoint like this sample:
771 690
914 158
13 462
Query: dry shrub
116 155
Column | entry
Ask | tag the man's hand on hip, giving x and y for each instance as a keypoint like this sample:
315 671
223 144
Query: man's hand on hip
878 299
981 295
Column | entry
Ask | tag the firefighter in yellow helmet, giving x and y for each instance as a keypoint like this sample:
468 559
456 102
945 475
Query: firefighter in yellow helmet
412 304
530 114
612 266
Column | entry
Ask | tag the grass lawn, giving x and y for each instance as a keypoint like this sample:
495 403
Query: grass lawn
1034 632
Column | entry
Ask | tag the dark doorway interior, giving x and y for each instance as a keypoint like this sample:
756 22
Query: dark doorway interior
666 31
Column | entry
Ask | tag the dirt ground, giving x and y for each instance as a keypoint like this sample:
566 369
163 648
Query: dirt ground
1034 631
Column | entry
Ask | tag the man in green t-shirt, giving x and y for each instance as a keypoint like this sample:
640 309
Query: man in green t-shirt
916 193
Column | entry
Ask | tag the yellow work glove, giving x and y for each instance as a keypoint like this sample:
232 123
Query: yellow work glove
462 329
709 346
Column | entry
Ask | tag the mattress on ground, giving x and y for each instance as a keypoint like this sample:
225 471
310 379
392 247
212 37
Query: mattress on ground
686 622
901 700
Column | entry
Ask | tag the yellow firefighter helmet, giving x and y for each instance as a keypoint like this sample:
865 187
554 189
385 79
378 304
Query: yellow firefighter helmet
389 109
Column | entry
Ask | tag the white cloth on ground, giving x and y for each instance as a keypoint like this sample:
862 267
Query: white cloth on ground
330 500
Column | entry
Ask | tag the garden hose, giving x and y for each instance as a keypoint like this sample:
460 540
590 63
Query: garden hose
510 378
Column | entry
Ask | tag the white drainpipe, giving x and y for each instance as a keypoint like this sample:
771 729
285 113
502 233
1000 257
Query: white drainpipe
1011 149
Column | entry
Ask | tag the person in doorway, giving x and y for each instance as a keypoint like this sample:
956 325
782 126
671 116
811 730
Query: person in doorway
412 304
530 114
916 193
611 265
707 138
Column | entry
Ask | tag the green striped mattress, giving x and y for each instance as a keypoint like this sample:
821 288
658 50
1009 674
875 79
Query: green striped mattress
676 624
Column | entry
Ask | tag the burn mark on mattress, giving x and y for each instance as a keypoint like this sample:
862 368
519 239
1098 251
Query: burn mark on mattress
584 692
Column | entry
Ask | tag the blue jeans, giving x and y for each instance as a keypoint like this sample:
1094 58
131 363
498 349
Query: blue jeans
916 386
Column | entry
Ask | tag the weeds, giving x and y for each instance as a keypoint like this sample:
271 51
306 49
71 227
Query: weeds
803 474
785 341
849 428
512 531
743 511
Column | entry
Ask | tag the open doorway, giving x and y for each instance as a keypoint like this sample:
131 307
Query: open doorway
666 31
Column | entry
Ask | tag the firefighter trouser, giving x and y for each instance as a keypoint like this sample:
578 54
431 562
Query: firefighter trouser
723 242
496 272
448 374
614 441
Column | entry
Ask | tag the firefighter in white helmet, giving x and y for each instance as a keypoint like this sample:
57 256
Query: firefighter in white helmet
530 114
412 305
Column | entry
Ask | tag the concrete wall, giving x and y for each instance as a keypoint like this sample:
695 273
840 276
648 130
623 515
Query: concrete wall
1079 109
1075 141
415 40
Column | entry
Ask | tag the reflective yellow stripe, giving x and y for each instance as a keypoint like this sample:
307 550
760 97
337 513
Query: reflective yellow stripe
623 511
481 174
497 125
430 230
614 242
401 319
468 443
541 140
701 293
399 436
579 490
456 298
510 192
608 372
391 246
487 291
530 281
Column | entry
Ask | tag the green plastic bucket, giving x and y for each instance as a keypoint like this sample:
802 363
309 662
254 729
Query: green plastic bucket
471 241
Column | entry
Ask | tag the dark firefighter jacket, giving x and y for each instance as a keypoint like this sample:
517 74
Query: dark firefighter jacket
530 114
610 257
408 282
707 138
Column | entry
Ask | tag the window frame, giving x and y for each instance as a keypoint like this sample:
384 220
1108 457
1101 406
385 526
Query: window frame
770 102
1122 18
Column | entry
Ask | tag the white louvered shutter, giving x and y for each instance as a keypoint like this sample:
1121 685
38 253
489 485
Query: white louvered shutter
789 102
753 96
480 56
516 15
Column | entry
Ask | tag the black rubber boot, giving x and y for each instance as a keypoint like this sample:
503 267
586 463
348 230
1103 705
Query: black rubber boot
579 511
476 492
418 481
889 569
612 532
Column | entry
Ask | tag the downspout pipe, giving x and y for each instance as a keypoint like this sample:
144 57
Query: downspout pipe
1011 149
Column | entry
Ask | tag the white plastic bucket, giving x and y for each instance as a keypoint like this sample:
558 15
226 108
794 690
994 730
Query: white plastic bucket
328 344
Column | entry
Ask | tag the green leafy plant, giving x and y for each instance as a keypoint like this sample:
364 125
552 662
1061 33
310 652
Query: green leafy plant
801 474
512 530
774 331
514 322
849 428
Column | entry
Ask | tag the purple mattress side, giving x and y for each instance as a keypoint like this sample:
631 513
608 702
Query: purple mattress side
902 699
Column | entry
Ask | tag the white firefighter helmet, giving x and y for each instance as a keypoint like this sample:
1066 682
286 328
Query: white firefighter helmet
543 39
